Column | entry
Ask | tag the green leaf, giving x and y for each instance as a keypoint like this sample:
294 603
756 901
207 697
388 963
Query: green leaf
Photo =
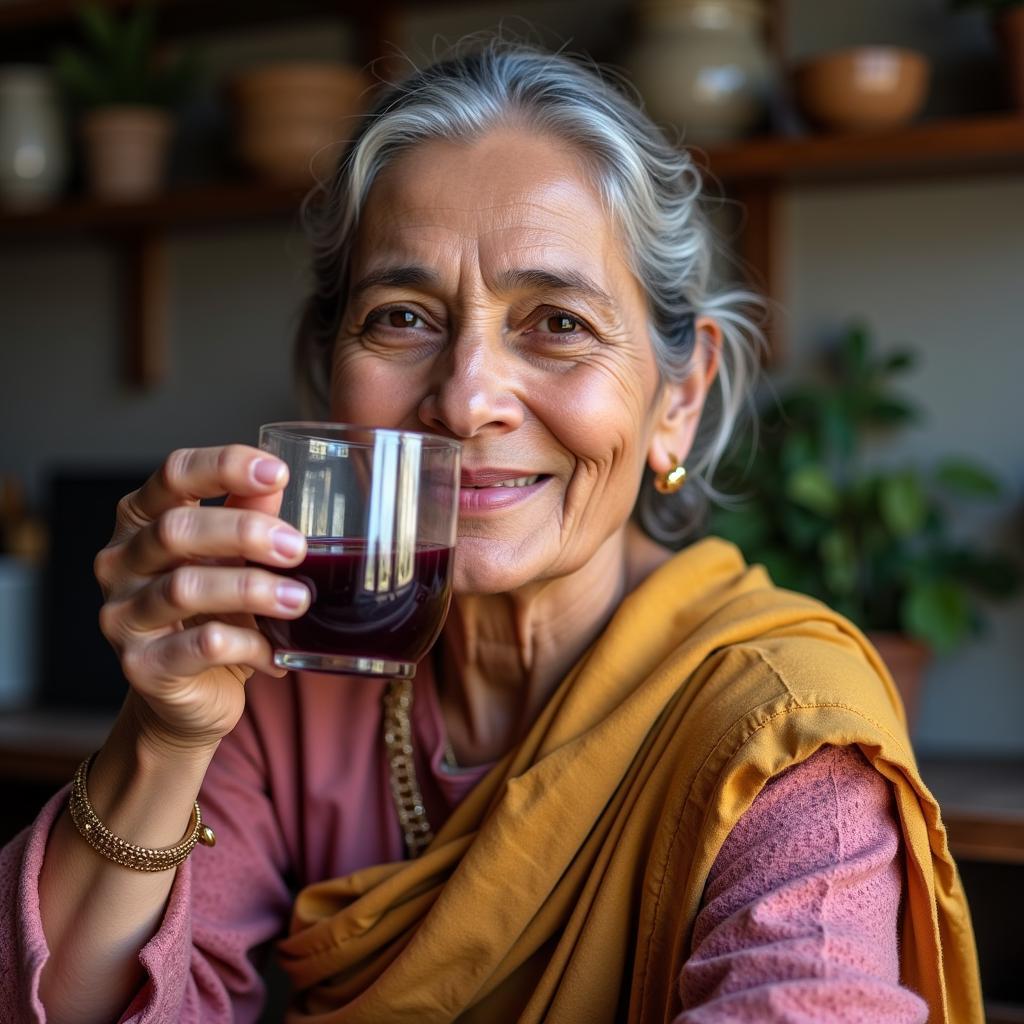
899 361
100 30
811 487
937 613
802 529
855 347
133 64
80 78
902 503
838 429
787 571
744 525
968 478
839 560
889 411
993 575
117 63
798 449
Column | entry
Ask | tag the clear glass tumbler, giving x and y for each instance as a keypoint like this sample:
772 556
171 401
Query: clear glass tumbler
379 509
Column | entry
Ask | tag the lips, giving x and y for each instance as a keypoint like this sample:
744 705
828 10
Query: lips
492 489
488 477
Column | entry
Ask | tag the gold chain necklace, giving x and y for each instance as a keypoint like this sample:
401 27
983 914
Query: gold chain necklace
405 787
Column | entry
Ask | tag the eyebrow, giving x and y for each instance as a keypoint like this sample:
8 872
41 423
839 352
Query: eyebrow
516 279
396 277
563 280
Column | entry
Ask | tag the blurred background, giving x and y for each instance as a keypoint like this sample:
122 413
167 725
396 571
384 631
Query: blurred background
865 165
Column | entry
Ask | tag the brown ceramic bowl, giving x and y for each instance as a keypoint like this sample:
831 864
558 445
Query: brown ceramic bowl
861 89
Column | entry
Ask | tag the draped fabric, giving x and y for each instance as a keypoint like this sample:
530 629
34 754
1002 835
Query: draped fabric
565 887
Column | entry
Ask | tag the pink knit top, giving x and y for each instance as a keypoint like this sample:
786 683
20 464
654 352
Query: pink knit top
798 923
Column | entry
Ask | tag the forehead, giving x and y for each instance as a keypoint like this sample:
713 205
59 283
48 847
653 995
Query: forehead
511 197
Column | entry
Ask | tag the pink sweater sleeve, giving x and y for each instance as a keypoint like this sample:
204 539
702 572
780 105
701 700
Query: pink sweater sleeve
800 915
197 965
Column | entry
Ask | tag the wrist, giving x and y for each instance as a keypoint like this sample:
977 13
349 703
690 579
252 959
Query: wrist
155 747
143 784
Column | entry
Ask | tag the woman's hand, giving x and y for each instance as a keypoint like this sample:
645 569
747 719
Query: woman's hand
179 599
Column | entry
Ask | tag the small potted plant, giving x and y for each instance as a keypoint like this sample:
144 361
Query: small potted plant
126 97
1008 19
869 540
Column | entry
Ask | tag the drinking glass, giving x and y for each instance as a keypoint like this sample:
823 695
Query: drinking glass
379 509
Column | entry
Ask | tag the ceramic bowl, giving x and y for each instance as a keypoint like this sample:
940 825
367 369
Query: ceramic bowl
862 89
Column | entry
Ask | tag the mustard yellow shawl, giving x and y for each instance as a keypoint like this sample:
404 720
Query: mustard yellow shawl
565 887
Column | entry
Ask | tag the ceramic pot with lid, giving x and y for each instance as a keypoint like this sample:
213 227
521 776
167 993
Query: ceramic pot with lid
703 66
33 141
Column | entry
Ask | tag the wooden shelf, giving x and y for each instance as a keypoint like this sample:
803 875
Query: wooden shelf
191 207
30 28
37 16
976 145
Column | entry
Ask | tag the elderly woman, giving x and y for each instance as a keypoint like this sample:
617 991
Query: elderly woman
645 786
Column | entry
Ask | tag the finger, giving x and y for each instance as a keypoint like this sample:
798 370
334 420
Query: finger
189 652
269 503
190 474
192 590
190 532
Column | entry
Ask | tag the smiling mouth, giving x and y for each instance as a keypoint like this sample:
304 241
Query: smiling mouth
519 481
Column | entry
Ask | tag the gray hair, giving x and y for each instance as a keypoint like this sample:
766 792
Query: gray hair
650 187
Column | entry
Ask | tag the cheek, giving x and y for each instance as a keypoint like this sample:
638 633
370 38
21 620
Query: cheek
601 416
368 391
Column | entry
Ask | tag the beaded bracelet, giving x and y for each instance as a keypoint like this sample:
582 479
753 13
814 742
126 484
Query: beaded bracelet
120 851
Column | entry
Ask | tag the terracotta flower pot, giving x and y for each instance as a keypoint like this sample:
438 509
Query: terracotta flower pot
292 120
907 660
126 151
1010 29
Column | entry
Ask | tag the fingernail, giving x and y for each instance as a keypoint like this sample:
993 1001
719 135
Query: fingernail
267 471
291 595
287 543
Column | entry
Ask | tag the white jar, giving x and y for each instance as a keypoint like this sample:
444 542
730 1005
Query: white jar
703 66
33 141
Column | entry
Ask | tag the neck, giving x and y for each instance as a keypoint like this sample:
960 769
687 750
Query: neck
503 655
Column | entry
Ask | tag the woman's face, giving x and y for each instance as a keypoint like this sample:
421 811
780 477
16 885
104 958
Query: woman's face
490 301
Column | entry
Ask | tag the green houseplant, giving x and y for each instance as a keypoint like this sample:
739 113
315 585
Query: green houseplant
1008 20
871 541
125 96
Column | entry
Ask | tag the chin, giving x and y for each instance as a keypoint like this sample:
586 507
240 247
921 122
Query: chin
482 567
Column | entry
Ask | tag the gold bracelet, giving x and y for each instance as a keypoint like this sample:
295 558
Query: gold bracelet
119 850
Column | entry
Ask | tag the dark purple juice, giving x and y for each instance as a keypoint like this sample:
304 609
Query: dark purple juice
367 613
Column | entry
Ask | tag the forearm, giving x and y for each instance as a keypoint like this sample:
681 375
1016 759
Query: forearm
97 915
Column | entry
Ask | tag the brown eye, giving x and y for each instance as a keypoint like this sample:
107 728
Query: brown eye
561 323
402 318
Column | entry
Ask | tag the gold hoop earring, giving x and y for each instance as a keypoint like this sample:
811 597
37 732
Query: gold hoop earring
673 480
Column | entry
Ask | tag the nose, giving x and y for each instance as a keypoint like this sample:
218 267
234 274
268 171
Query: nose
472 392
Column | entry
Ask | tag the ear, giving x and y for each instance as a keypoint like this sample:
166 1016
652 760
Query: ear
682 402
